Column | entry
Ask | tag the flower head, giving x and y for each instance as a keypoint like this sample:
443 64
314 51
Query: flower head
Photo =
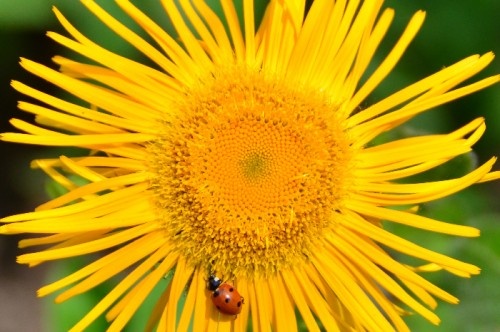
244 153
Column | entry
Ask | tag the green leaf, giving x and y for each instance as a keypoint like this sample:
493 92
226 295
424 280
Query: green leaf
32 14
61 317
54 189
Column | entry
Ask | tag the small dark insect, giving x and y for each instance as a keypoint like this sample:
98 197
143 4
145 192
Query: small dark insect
225 297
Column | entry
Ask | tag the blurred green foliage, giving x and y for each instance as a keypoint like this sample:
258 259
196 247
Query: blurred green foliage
453 30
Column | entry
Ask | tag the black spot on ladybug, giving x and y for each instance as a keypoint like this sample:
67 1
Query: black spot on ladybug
216 293
218 307
228 299
231 289
238 304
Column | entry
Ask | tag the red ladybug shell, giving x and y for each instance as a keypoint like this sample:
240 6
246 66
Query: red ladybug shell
227 299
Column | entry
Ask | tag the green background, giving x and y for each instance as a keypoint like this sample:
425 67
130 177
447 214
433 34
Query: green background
453 30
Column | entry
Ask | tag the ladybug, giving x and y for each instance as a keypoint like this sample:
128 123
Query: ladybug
225 297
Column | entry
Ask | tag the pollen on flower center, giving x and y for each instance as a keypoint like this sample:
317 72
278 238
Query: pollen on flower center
250 172
254 166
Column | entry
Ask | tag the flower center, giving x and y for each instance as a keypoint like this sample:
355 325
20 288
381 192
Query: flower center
253 167
249 172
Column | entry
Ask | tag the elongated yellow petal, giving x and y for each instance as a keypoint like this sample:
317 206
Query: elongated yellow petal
167 262
150 240
194 49
350 294
296 294
390 61
414 220
406 246
92 246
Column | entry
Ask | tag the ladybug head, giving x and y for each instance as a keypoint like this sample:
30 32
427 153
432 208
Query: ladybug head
213 283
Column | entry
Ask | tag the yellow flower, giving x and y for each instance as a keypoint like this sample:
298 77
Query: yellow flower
243 152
